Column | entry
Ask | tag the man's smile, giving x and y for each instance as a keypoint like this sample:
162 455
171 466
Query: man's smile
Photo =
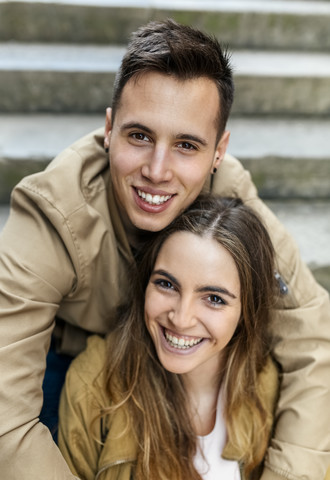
153 199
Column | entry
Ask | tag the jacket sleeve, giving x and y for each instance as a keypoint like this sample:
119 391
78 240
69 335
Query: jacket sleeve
77 434
300 329
35 274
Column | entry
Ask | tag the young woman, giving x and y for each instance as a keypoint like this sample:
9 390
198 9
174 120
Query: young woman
183 388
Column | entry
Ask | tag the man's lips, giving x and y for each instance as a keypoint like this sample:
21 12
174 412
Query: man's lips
157 199
152 202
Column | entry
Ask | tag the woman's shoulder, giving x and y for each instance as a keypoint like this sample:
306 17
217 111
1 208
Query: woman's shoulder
87 368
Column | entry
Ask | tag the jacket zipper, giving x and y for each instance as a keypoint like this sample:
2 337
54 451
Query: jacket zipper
241 470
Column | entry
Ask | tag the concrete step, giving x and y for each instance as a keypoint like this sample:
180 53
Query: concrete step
76 78
4 212
308 222
302 25
288 158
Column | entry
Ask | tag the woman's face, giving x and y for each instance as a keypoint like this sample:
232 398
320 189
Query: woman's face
192 304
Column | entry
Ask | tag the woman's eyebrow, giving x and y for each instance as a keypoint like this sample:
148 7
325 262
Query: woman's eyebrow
167 275
220 290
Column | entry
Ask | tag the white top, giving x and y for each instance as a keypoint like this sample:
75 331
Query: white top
213 466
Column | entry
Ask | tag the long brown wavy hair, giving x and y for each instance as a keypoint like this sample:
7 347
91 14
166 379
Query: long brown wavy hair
153 399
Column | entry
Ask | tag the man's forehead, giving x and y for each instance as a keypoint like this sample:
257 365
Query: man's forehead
194 101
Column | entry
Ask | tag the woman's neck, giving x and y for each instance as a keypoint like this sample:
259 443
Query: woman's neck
202 401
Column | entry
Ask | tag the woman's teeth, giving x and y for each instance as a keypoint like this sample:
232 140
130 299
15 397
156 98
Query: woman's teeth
181 343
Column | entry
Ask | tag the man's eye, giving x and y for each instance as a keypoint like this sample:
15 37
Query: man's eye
187 146
140 136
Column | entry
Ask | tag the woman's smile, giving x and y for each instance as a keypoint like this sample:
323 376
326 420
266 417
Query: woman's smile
192 303
183 344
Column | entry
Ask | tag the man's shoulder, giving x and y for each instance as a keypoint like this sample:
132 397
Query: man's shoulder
89 145
76 174
232 179
81 160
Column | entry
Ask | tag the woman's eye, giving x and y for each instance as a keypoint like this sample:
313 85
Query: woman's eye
164 284
216 300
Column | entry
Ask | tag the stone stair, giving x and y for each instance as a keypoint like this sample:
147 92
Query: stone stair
58 60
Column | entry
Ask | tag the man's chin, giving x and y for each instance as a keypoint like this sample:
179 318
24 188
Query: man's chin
152 222
152 227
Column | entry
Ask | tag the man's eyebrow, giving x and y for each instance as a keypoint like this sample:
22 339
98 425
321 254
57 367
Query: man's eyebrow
193 138
180 136
220 290
167 275
139 126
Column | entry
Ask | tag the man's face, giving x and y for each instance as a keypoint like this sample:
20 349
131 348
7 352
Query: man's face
162 147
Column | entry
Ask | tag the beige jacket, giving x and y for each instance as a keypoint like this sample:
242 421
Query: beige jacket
84 397
64 252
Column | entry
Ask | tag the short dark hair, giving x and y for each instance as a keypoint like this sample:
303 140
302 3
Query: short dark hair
181 51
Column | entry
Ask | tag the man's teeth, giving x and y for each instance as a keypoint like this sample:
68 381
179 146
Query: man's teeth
153 199
181 343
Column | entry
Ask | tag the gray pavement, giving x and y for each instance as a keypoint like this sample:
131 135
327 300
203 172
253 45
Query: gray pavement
4 211
269 24
101 58
59 58
309 224
278 6
45 135
42 135
78 78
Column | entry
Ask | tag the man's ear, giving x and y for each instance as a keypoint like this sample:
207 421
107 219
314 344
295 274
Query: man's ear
107 127
220 150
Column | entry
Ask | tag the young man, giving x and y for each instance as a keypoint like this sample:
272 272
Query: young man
68 247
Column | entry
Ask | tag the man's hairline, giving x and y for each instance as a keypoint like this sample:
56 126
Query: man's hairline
136 76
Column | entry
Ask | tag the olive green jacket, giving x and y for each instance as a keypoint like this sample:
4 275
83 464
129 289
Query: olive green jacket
64 253
84 397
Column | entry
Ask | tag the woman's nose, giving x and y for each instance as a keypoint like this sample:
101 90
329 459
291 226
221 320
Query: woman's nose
182 317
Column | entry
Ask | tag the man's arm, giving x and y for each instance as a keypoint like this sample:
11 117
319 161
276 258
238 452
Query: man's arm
301 344
300 447
35 274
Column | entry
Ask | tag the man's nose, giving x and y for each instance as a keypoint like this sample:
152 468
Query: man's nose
157 168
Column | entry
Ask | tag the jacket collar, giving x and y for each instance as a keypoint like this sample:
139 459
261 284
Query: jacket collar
119 448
